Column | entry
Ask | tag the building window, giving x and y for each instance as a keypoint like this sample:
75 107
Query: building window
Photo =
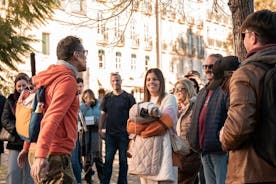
102 36
191 49
118 32
78 6
147 60
118 60
46 43
200 47
134 36
147 36
101 57
133 62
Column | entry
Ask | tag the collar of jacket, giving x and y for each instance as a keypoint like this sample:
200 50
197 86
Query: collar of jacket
62 62
253 51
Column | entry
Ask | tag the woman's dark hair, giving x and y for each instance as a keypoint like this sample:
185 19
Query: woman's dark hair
263 24
161 91
21 76
67 46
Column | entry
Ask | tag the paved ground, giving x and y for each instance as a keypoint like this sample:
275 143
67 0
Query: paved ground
131 179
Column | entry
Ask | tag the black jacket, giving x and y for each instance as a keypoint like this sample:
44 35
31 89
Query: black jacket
8 122
2 103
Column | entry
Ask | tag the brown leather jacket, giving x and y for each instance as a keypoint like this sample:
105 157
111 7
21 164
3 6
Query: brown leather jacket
244 165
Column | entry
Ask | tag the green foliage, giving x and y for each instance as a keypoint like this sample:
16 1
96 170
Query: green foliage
16 18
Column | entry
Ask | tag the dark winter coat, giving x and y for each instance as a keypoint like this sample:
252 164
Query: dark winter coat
2 103
215 116
8 121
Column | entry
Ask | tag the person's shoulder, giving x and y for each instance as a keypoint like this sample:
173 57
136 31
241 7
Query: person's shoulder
130 97
128 94
169 98
11 97
107 95
2 98
246 73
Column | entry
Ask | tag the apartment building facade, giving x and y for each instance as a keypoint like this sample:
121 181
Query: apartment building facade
131 37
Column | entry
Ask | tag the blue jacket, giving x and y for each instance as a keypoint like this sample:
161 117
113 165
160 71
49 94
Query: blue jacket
215 117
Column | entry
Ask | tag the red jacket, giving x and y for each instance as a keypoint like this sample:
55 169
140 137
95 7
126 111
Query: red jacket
58 131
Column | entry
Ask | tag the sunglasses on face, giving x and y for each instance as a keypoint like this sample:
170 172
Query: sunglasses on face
176 90
205 67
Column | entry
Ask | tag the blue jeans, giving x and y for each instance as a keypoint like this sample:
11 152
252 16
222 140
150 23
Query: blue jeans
16 174
112 144
76 163
215 167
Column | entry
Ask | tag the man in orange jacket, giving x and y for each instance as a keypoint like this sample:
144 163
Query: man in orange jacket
50 155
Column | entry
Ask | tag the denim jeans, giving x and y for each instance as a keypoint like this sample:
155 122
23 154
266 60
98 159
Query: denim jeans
16 174
112 144
76 163
215 167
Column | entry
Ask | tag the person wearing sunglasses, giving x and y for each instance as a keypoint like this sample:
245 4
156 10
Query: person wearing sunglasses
209 113
190 164
241 126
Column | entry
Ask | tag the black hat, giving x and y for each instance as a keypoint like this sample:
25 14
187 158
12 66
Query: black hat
192 73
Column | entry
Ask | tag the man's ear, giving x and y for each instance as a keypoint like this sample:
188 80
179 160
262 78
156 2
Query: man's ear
255 38
76 54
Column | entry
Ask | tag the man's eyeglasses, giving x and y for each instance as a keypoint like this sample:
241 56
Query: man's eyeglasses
84 52
205 67
176 90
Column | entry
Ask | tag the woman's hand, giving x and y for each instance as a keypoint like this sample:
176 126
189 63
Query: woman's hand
22 158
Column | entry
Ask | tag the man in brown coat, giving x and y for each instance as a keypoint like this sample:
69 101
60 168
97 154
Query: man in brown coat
245 166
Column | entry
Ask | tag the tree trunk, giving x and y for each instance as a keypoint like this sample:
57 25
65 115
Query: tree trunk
240 10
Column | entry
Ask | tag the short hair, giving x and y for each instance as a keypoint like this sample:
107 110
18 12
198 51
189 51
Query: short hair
217 56
161 91
79 80
67 46
263 24
115 74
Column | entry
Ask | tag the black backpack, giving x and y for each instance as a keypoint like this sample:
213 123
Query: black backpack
265 135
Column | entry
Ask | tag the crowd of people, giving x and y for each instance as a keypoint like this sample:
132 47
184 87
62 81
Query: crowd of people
215 119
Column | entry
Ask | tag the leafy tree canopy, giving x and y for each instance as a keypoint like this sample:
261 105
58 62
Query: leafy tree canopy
16 17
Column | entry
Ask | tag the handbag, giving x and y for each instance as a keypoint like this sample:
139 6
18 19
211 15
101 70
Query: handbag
178 145
6 136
